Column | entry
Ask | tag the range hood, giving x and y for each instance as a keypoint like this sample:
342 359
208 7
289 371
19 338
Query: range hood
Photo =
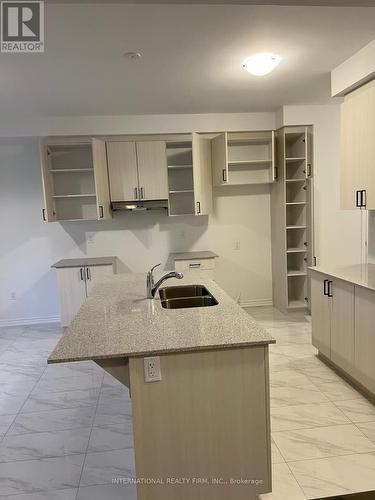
139 206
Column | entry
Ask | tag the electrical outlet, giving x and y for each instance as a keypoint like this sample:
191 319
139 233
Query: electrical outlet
152 369
13 296
237 245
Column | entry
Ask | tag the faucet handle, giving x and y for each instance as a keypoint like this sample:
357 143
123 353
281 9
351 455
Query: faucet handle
157 265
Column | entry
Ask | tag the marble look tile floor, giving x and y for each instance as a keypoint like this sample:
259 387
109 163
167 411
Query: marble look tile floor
66 430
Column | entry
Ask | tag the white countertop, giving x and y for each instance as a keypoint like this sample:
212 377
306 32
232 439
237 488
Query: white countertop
360 274
118 321
85 261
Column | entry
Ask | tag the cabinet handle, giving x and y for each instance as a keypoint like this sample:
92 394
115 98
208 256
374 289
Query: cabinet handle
325 287
44 214
101 212
198 207
88 274
136 193
309 170
192 266
142 193
275 173
81 274
330 288
363 198
358 199
224 175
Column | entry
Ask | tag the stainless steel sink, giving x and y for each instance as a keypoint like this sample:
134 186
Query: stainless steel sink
177 292
181 297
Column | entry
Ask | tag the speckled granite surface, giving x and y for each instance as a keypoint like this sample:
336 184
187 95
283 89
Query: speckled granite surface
118 321
362 275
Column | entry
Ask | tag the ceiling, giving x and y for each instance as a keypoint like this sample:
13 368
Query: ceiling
191 60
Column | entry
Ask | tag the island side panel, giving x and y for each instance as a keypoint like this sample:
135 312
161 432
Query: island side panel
207 418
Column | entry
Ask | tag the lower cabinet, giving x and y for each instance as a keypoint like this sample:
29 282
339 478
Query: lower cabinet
75 285
365 337
332 309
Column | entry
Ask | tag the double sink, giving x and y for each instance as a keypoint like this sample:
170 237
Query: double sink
181 297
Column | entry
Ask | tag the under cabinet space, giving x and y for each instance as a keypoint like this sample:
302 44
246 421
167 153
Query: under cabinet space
76 208
297 292
296 192
295 145
295 169
243 158
296 240
296 263
180 179
295 215
181 203
68 183
70 157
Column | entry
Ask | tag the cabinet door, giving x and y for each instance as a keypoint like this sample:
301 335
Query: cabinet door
321 315
72 292
48 212
103 201
368 144
152 170
354 132
219 145
94 274
342 324
122 169
365 337
202 174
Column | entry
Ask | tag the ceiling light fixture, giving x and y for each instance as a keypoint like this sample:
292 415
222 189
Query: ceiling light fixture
261 64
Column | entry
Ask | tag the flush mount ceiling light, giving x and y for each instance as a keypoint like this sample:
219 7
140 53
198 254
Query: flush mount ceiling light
261 64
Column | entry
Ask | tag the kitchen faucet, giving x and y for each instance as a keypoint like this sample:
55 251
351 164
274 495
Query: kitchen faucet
152 287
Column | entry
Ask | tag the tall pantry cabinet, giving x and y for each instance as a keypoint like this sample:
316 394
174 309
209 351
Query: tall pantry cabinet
292 218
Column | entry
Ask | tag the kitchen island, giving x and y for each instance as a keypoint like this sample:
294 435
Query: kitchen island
202 432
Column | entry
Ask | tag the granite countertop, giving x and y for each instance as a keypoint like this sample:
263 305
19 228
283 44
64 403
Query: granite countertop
118 321
85 261
193 255
360 274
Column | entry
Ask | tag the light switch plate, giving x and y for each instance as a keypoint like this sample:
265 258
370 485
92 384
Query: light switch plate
152 369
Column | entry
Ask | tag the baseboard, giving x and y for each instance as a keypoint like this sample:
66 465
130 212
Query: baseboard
29 321
255 302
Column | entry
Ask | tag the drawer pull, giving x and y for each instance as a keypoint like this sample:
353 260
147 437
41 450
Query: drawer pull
195 265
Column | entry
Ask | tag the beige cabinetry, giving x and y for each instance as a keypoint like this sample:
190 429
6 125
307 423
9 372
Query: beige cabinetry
75 179
195 261
365 337
75 284
358 149
292 221
243 158
137 170
343 326
332 309
189 175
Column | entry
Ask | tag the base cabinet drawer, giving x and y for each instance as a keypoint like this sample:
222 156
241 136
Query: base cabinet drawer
186 265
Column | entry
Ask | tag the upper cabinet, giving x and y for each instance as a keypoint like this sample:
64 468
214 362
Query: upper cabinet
137 170
243 158
75 179
358 149
189 176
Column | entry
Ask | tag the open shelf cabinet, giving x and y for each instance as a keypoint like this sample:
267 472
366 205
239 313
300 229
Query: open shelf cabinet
240 158
75 179
189 176
292 219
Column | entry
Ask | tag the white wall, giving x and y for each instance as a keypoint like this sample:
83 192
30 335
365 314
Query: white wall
337 232
29 246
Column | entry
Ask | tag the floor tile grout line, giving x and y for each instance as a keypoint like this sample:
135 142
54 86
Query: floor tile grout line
88 442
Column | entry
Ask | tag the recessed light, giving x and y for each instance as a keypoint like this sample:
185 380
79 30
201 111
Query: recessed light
261 64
